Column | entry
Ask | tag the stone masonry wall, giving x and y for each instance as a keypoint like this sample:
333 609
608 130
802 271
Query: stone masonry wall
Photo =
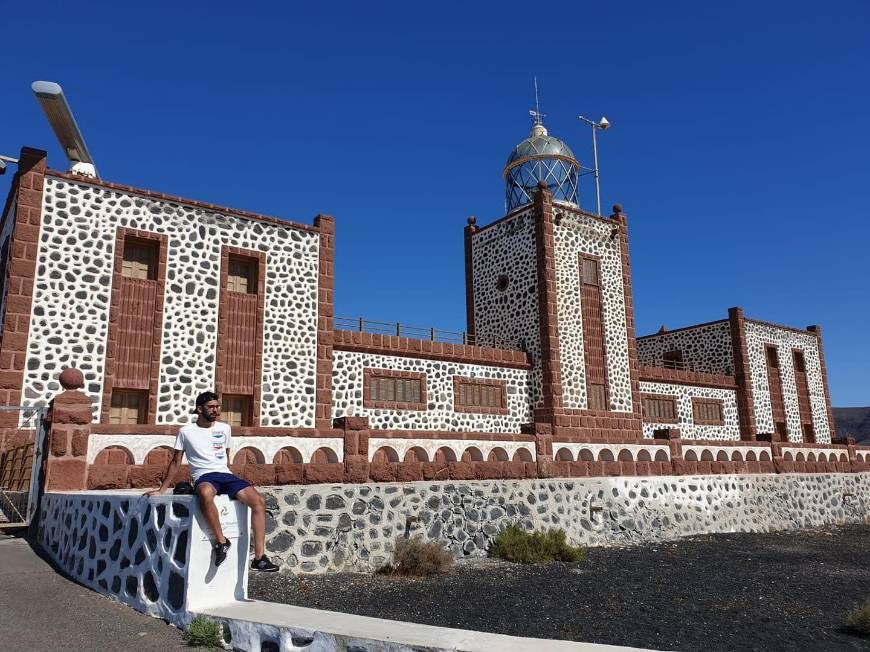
757 336
72 291
705 348
321 528
683 394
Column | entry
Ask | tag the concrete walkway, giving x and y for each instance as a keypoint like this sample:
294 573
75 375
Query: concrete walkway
42 610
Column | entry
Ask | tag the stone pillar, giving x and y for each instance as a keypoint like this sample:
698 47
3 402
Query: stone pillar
26 191
551 398
817 331
470 230
325 323
740 354
356 447
69 417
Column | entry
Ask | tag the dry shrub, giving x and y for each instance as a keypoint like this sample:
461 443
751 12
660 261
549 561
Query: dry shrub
419 558
516 545
859 619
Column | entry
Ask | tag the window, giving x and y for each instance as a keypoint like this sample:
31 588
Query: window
673 359
242 276
799 362
772 357
809 433
386 388
597 396
236 410
659 409
589 271
128 407
140 259
478 394
781 430
707 411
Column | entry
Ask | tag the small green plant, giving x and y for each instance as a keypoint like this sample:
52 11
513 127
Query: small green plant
204 632
859 619
521 547
420 558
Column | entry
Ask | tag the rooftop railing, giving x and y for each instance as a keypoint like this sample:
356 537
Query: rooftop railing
362 325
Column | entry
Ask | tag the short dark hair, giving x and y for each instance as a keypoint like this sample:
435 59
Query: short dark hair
204 398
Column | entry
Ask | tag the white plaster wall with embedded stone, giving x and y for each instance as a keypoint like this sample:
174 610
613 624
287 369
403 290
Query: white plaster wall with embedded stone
588 452
683 395
757 336
505 288
73 284
347 394
266 448
503 450
153 554
320 528
573 234
705 348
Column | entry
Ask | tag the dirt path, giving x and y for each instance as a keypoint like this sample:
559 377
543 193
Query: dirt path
780 591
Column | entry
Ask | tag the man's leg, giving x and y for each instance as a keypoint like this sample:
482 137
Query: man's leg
252 498
206 493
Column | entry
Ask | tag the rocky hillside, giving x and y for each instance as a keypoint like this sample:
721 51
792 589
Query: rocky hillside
853 422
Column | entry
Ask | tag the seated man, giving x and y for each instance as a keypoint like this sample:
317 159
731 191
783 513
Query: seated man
207 446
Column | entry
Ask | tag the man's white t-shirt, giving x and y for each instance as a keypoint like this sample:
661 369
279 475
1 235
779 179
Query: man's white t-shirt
205 448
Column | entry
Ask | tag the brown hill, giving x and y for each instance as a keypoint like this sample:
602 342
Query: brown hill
853 422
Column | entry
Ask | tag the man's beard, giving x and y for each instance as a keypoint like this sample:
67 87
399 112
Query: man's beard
208 416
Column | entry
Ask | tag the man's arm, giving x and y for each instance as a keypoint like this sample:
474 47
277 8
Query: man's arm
169 476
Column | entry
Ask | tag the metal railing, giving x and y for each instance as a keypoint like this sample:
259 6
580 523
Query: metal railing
363 325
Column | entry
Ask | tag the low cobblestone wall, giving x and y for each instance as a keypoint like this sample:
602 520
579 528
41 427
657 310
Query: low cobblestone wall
322 528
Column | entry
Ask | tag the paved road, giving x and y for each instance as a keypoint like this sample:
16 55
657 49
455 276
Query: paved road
42 610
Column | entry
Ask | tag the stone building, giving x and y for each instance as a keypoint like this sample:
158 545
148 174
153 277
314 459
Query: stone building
156 298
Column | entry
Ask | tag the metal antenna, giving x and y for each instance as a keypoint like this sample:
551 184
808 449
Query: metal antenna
537 116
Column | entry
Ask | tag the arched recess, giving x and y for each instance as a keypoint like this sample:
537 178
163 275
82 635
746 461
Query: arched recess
385 455
811 457
249 455
445 455
586 455
750 456
498 454
823 457
564 455
416 454
324 455
472 454
113 455
691 456
522 455
800 457
644 456
736 456
722 456
661 456
706 455
764 456
160 455
287 455
625 456
605 455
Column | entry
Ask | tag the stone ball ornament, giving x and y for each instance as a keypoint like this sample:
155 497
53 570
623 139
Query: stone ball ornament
71 378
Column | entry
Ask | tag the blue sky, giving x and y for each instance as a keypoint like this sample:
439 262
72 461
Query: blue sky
739 146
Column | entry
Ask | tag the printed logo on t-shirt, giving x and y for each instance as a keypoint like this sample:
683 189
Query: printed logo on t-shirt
218 445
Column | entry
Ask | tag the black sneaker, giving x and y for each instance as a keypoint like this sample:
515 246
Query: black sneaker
220 552
264 565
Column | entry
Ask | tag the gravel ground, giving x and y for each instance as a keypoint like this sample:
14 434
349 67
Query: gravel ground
780 591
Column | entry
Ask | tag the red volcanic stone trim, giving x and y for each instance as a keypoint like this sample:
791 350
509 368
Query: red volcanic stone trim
480 382
774 325
817 331
621 220
151 194
26 191
443 434
551 398
428 350
697 400
150 429
111 373
745 402
325 324
221 386
680 377
369 374
661 397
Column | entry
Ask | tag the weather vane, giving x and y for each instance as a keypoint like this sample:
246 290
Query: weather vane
537 116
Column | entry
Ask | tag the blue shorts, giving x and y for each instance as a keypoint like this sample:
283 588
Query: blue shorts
224 483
